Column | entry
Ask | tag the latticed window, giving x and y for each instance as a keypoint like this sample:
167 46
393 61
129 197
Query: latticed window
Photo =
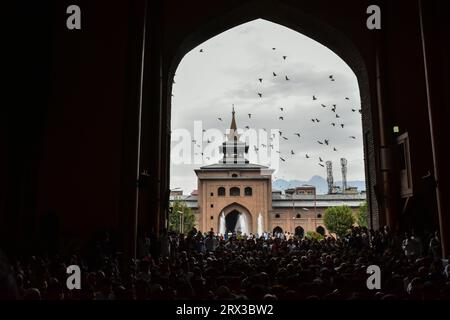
221 191
248 191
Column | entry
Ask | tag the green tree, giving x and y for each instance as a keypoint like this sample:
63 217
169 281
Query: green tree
180 208
338 220
313 235
362 216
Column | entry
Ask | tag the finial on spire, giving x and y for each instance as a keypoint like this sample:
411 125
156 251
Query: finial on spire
233 108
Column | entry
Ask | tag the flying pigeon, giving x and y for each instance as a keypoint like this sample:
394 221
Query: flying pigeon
320 164
201 50
324 106
260 80
352 137
317 120
342 125
337 116
292 152
220 119
249 115
287 79
247 127
353 110
326 141
314 98
273 48
334 149
297 134
347 98
319 142
281 109
274 74
285 138
284 57
280 118
260 95
282 159
307 157
333 124
313 120
320 159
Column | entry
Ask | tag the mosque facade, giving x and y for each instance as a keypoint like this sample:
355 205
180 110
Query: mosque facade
234 195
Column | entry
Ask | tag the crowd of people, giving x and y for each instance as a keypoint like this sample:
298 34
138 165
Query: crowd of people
206 266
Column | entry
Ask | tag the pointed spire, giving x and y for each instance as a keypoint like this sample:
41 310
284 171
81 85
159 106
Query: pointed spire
233 121
233 135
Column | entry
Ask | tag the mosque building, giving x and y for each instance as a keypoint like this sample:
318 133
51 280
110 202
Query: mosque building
241 193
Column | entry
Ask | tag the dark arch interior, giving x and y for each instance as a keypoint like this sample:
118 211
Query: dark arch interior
299 232
231 220
320 230
277 230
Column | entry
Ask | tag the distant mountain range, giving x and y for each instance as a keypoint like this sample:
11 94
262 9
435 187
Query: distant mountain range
317 181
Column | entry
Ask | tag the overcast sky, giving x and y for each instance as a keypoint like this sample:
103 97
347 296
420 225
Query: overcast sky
227 71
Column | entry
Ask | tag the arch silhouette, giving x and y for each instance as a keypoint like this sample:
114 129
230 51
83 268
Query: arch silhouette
277 230
233 207
320 230
299 232
317 30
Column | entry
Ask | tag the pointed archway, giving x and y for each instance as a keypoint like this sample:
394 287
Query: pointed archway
237 219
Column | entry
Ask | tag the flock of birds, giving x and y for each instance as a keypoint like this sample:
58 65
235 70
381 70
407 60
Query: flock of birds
337 122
